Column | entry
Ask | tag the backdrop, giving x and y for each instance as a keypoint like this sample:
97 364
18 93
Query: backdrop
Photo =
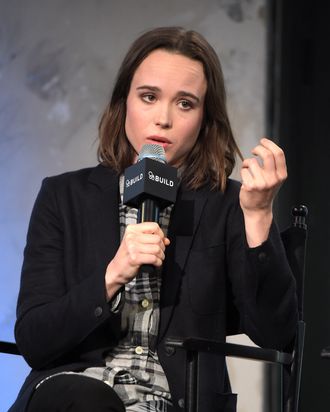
58 60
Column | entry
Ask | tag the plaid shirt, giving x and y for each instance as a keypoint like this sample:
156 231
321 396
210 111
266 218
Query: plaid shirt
132 367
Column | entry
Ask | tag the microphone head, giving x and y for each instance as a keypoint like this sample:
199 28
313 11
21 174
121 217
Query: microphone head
152 151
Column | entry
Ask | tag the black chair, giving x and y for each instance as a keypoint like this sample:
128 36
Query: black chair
9 347
289 361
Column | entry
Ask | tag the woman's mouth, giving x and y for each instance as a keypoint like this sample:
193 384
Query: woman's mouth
163 141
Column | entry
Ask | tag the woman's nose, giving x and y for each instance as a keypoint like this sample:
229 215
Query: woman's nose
163 117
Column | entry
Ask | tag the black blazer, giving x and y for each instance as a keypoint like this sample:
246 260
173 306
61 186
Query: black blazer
211 279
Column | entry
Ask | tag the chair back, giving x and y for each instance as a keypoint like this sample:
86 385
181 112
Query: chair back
294 240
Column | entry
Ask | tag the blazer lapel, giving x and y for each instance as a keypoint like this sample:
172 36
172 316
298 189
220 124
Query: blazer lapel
185 218
103 211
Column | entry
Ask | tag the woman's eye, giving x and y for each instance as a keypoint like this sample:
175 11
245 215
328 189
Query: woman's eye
149 98
185 104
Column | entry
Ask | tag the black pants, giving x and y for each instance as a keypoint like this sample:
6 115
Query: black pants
64 393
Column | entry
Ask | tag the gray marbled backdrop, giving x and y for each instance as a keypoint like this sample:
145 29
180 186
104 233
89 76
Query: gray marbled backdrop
58 60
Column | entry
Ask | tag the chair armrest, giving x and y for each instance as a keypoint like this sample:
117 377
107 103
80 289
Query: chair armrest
325 353
9 347
193 347
230 349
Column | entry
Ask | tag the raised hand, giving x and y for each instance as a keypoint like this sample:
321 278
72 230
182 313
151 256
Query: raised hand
261 180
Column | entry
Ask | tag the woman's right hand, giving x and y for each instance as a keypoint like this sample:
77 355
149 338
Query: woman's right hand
143 243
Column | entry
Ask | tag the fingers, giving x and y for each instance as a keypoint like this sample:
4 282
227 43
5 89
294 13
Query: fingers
251 175
139 249
262 177
269 171
272 156
145 244
147 233
145 227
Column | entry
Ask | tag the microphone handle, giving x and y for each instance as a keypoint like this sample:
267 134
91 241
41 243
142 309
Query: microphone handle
148 212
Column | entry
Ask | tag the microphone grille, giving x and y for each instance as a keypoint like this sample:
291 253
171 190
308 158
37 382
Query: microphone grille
152 151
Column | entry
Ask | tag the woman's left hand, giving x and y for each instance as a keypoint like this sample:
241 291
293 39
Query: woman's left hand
260 184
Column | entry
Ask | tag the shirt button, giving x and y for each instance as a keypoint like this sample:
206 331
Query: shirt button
139 350
145 303
145 376
98 311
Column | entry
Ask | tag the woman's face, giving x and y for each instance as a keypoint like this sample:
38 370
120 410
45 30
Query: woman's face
165 104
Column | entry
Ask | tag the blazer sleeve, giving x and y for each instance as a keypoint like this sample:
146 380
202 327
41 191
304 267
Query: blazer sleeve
54 313
263 285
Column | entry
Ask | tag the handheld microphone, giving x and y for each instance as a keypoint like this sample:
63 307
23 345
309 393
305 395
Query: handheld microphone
150 185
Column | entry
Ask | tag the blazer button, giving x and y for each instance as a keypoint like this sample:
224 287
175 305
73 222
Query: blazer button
181 403
98 311
169 350
262 257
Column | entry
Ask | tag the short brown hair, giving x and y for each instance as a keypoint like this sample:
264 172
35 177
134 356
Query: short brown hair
212 158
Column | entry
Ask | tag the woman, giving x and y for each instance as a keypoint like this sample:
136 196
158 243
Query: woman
90 323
